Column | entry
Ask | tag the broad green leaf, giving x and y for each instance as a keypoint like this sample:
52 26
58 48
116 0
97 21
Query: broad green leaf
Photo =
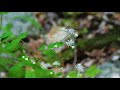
5 35
13 45
51 45
72 74
46 52
42 47
30 73
4 62
55 45
92 71
59 74
59 44
49 53
23 35
41 73
17 71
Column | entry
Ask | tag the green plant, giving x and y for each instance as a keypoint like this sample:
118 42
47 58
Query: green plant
18 64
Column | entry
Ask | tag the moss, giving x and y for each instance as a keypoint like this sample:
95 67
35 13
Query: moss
99 41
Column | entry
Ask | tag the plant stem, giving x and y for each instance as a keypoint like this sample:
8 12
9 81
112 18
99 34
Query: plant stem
75 56
27 47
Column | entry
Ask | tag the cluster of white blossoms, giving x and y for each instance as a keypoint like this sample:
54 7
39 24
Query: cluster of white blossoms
56 63
27 59
79 67
72 34
71 43
70 31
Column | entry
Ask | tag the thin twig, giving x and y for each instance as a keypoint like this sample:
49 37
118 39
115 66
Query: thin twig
27 47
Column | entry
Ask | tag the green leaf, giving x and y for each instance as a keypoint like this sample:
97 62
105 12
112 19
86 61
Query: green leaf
92 71
23 35
17 71
49 53
42 47
5 35
72 74
30 73
51 45
13 45
59 74
5 63
46 52
59 44
41 73
55 45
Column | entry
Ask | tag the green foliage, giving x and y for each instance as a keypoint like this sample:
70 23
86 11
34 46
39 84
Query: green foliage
30 73
48 50
28 70
73 74
6 35
24 67
92 71
42 47
14 44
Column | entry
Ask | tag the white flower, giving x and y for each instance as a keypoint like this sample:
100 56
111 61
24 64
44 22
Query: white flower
115 57
53 36
56 63
76 35
55 46
63 29
2 74
68 76
73 47
71 31
26 59
23 56
70 42
79 67
51 72
33 61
